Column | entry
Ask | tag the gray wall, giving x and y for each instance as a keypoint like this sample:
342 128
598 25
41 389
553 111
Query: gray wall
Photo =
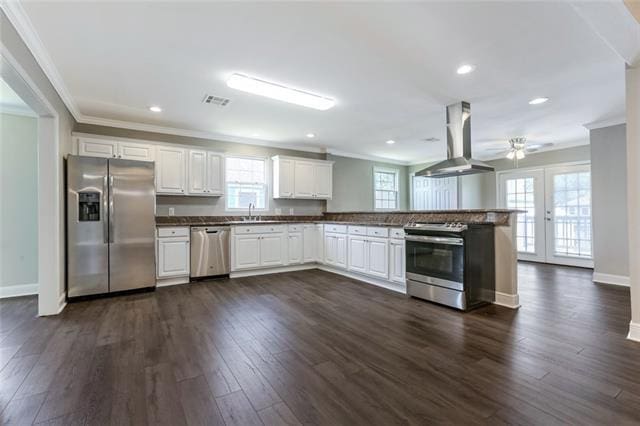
21 54
214 206
353 184
609 199
19 188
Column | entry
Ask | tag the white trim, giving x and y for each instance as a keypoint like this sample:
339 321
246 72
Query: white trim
62 302
614 121
266 271
50 257
13 110
634 331
599 277
166 282
18 290
511 301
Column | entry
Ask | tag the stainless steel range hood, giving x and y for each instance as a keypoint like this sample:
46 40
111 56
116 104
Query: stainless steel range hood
459 161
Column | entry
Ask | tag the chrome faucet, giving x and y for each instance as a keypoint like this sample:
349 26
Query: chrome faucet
251 205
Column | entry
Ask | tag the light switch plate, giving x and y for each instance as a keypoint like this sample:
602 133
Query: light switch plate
291 210
278 212
172 211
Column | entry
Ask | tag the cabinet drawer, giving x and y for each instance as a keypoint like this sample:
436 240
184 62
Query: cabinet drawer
377 232
358 230
259 229
295 228
396 233
173 232
338 229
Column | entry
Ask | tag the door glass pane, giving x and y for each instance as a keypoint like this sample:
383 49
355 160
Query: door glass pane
520 195
572 214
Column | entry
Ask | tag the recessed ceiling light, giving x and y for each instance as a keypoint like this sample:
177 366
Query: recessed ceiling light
279 92
390 142
538 101
155 109
311 135
465 69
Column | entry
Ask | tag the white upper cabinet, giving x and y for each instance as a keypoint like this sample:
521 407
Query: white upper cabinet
197 172
136 151
204 173
170 170
105 148
89 147
323 180
303 178
215 174
283 178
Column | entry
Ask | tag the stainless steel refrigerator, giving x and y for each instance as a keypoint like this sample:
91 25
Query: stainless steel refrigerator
110 225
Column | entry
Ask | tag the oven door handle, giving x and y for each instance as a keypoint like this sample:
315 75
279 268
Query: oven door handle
437 240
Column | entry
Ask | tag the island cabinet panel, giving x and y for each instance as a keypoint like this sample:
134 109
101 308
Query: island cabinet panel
302 178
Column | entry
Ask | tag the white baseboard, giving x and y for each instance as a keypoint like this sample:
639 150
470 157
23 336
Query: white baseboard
166 282
18 290
62 302
264 271
634 331
507 300
400 288
599 277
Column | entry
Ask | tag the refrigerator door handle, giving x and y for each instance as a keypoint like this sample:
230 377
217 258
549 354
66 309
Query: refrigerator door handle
111 210
105 210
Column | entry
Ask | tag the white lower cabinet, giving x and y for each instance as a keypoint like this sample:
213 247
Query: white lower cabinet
295 248
173 257
272 249
369 256
397 261
335 250
357 254
246 251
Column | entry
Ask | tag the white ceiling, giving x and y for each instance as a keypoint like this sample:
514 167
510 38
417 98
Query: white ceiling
390 66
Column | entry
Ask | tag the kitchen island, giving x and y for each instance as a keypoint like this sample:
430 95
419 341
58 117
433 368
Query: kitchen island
504 222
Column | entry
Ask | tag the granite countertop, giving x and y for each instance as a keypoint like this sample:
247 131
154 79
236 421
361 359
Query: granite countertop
498 217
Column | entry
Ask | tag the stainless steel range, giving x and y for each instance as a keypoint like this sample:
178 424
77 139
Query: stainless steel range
452 263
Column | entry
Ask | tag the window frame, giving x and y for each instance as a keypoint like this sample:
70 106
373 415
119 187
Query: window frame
267 190
396 172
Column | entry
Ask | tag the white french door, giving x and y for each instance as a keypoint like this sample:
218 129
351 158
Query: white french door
524 190
556 227
568 215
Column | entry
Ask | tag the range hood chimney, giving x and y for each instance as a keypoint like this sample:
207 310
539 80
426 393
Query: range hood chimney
459 161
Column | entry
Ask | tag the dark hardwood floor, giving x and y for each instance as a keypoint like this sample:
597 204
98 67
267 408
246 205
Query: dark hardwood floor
312 347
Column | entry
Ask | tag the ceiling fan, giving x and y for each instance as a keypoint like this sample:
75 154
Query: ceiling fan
518 148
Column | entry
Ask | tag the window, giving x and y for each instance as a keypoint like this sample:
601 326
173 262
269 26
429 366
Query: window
246 180
521 195
385 187
434 193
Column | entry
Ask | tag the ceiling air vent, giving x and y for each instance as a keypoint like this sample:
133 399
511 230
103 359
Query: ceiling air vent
215 100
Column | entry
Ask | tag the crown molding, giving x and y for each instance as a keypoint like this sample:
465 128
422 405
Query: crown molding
21 22
614 121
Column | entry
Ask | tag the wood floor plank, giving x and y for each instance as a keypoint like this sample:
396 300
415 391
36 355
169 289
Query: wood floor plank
312 347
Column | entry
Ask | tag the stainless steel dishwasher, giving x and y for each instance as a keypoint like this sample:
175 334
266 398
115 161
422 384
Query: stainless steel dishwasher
209 251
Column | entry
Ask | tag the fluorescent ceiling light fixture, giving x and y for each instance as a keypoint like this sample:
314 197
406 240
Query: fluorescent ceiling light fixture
311 135
155 109
538 101
465 69
390 142
279 92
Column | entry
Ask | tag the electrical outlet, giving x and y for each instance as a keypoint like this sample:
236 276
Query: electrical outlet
172 211
278 212
291 210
